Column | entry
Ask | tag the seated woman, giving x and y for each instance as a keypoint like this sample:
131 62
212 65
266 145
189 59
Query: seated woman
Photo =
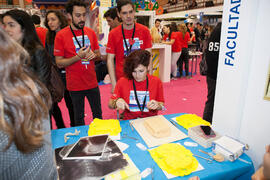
138 94
25 148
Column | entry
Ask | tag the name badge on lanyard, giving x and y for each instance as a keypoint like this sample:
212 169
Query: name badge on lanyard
131 41
83 61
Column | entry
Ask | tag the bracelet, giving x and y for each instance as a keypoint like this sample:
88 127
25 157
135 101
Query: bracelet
114 103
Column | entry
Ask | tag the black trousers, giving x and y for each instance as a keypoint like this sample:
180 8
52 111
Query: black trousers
184 58
93 96
69 105
57 115
68 100
209 104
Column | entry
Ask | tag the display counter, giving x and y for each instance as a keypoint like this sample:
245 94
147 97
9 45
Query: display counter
164 64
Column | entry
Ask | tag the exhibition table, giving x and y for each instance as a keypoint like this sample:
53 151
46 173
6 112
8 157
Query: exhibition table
142 159
194 56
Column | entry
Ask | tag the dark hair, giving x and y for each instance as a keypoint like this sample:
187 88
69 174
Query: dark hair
170 34
31 43
30 38
112 13
134 59
71 3
50 36
1 18
173 27
35 19
159 20
122 3
24 100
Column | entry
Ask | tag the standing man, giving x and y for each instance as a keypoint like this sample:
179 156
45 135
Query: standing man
211 57
76 48
41 31
155 32
124 39
112 18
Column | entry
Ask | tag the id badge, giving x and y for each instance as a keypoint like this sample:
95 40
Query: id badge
85 61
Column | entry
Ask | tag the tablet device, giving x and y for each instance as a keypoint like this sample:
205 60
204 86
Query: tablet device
91 147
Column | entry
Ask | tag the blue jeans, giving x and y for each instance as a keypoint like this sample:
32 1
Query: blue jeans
93 96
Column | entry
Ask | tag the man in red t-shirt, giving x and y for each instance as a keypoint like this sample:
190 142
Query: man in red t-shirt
76 48
41 31
124 39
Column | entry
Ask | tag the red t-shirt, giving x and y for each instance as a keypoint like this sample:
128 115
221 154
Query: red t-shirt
124 89
41 32
184 41
176 46
166 37
80 75
116 45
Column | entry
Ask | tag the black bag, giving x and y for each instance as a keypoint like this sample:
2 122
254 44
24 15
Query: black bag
203 66
57 87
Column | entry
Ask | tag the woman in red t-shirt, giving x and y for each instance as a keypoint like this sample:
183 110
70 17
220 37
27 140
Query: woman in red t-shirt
185 40
173 38
138 94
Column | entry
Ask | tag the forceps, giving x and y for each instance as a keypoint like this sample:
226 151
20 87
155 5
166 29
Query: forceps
208 160
130 137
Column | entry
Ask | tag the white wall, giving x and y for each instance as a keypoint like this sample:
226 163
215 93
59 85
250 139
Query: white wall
240 110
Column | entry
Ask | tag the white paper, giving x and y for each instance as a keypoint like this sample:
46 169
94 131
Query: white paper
152 141
122 146
170 176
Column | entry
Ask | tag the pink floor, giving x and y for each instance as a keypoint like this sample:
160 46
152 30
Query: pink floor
181 96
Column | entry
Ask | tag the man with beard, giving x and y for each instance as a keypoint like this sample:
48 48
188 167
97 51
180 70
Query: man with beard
76 48
124 39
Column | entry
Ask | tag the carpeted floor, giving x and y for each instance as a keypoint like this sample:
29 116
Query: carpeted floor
181 96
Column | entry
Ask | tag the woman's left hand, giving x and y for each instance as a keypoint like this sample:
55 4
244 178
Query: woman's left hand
153 105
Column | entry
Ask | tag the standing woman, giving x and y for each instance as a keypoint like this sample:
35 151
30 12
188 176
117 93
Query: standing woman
185 40
55 21
25 144
20 27
172 38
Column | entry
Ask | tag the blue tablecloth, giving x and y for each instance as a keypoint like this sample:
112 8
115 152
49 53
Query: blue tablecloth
226 170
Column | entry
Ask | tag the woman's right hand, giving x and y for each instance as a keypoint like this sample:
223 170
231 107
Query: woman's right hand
121 104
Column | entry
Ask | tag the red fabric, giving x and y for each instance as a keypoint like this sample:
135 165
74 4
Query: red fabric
184 42
176 46
124 86
166 37
116 46
41 32
77 75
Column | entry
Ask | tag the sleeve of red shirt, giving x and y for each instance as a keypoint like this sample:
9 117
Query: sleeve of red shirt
174 35
110 45
148 40
58 45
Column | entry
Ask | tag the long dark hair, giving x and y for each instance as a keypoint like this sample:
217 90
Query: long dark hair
31 43
30 38
170 34
50 36
24 100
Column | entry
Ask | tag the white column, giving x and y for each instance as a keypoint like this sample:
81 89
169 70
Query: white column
240 110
